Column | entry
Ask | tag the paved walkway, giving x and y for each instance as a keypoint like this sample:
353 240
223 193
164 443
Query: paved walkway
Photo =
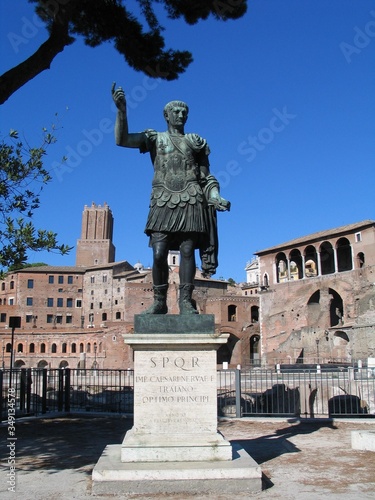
304 461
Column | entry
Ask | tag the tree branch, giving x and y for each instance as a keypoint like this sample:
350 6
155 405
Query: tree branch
41 60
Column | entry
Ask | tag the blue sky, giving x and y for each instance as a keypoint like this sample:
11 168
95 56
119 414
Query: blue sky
284 96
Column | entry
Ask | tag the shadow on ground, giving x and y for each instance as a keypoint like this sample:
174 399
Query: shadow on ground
267 447
63 443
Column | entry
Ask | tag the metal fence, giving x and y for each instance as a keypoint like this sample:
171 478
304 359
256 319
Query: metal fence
240 393
38 391
306 394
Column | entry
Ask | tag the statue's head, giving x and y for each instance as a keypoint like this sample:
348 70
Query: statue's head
173 106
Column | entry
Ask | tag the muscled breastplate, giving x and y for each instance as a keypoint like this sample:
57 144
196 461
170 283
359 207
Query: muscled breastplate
174 163
176 171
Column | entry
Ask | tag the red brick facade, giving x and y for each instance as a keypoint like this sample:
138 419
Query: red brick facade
317 297
77 316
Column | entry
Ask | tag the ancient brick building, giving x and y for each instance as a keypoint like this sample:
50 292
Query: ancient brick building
317 300
76 316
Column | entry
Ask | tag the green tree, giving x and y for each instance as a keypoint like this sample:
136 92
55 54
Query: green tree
110 20
22 178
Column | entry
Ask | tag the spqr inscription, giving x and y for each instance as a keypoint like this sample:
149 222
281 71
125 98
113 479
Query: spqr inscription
178 362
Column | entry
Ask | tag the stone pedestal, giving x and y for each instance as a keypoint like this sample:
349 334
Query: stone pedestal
174 436
175 400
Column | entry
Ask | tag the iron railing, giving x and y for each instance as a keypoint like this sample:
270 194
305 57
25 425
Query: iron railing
306 394
241 393
39 391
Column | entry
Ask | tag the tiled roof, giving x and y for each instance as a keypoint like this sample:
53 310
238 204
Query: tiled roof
52 269
321 235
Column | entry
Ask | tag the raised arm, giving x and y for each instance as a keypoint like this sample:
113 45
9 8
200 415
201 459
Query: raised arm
122 136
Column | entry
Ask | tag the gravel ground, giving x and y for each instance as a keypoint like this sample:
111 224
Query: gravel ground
305 461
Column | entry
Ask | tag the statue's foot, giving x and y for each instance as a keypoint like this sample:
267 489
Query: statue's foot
156 308
187 308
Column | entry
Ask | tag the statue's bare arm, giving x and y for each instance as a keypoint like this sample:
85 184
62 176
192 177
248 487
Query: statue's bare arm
122 136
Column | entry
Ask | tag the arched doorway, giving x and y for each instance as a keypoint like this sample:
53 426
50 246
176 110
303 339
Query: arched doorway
225 352
255 350
344 255
341 346
336 308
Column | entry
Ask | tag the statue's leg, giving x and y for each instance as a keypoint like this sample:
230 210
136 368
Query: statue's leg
159 277
160 269
187 273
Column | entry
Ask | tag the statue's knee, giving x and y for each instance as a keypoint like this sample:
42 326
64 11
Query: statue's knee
160 256
187 251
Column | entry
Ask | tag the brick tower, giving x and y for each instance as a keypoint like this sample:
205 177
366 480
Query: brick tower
95 246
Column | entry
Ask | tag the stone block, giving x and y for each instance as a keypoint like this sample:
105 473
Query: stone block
111 476
174 323
363 440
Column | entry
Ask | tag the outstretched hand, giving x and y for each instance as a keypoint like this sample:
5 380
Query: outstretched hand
118 96
221 204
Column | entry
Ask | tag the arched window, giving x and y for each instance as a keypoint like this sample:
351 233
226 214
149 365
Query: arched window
74 348
327 263
232 313
344 255
42 348
20 348
254 314
63 364
9 348
63 348
311 262
32 348
42 364
54 349
360 259
88 348
295 265
281 267
81 347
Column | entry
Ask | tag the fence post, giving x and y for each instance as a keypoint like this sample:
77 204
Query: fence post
238 392
67 389
44 390
60 390
1 394
29 382
22 389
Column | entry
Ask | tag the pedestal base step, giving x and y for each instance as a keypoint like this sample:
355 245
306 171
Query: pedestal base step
363 440
111 476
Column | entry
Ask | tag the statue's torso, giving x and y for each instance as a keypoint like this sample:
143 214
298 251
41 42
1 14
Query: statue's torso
175 163
176 171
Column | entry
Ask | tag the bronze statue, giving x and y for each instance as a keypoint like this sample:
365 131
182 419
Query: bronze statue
184 200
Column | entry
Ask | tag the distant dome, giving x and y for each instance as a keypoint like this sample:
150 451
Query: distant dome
138 266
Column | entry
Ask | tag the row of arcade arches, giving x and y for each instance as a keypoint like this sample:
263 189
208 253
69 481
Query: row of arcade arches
327 259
